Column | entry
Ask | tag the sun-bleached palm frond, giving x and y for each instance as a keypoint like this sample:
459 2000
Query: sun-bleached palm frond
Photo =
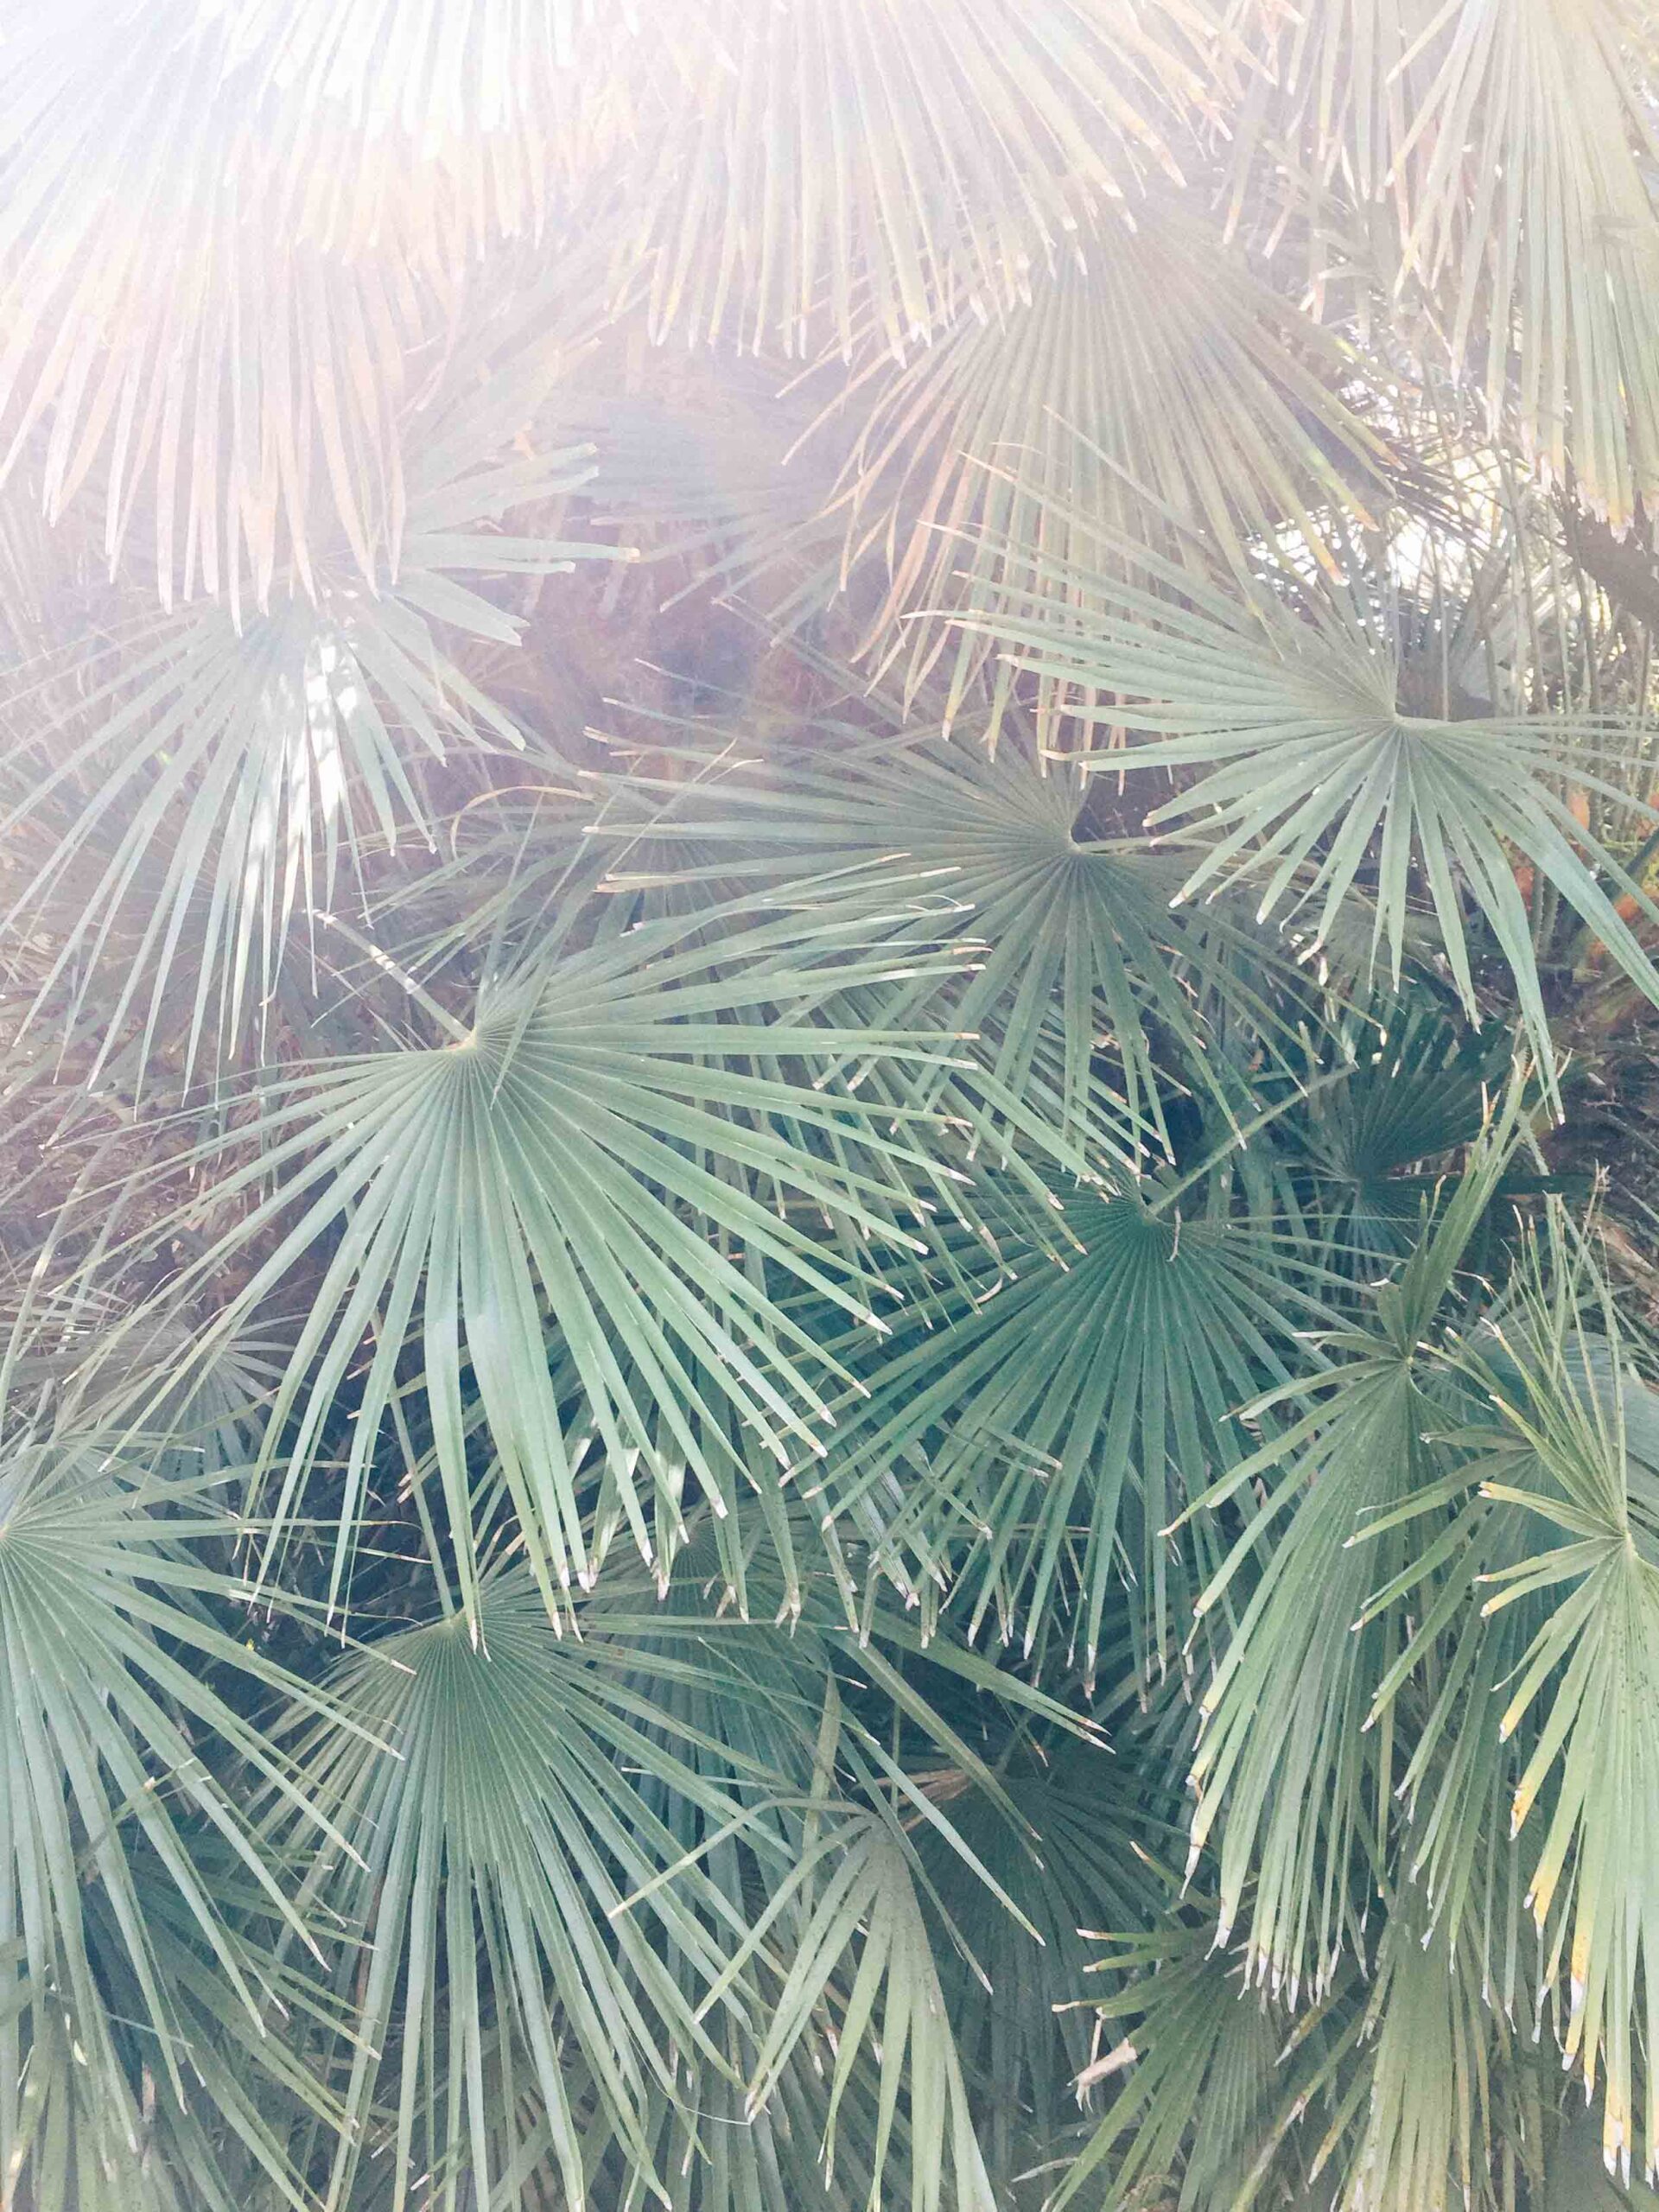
214 779
1105 403
859 166
221 350
1499 159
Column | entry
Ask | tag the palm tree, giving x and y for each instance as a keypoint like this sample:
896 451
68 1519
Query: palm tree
828 878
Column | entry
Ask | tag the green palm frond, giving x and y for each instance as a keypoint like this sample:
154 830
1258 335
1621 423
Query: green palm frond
107 2124
617 1150
1583 1681
601 1817
1419 1087
727 1286
1427 2114
1284 1750
1077 964
863 1965
116 1740
1188 2052
1313 775
489 1788
1080 1391
1024 2041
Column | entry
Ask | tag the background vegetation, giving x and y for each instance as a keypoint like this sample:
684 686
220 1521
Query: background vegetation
831 1144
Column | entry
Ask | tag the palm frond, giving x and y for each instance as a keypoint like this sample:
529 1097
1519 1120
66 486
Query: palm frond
225 347
494 1789
1314 778
615 1149
1153 385
1037 1448
1284 1747
1077 964
115 1740
213 778
868 169
1194 2049
1494 160
1585 1677
703 1270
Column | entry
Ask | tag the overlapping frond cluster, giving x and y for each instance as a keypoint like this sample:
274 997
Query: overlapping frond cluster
828 842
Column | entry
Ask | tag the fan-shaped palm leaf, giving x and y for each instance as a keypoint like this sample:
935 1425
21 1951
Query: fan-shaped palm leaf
1592 1756
110 1745
1043 1441
200 787
116 2113
228 341
862 167
616 1151
1420 1087
1077 960
496 1791
862 1914
1417 2076
1283 1746
1497 154
1312 772
1025 2040
1154 373
1531 209
797 1704
1196 2052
